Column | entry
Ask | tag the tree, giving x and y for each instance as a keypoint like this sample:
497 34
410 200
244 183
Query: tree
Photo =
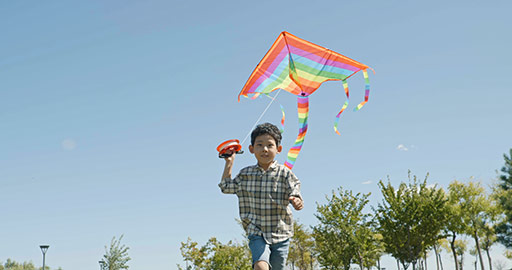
302 245
474 205
197 256
215 256
410 219
504 229
230 256
489 238
459 247
369 245
342 230
437 252
116 256
500 265
13 265
455 225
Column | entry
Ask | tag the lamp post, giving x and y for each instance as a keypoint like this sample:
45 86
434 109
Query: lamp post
102 264
44 248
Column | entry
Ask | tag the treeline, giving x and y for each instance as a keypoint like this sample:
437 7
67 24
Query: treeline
13 265
412 219
115 258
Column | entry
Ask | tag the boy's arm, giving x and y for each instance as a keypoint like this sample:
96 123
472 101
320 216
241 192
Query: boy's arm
227 185
228 166
295 197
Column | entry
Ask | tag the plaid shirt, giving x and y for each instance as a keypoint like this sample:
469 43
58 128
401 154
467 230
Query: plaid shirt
263 200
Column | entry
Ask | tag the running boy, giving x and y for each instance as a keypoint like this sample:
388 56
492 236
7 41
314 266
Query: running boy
264 191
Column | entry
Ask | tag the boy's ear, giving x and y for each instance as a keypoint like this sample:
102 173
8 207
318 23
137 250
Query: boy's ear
279 148
251 149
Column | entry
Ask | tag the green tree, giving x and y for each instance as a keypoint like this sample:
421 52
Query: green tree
437 251
197 256
342 226
488 229
302 245
459 248
116 255
455 225
474 205
230 256
410 219
215 256
504 196
13 265
369 246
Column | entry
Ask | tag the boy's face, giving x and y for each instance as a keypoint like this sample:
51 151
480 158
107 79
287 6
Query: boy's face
265 150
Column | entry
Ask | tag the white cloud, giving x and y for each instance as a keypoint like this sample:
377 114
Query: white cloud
68 144
367 182
402 147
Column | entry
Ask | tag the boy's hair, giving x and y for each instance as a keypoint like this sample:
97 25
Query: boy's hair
269 129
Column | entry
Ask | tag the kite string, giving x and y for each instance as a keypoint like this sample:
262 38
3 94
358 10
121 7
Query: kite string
261 116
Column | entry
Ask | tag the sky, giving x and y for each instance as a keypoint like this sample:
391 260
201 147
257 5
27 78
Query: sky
110 113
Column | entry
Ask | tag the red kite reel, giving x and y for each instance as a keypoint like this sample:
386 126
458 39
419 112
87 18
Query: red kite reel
229 145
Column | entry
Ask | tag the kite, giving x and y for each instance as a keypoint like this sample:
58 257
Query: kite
300 67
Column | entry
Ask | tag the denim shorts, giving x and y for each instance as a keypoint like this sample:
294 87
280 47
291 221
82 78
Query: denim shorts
274 254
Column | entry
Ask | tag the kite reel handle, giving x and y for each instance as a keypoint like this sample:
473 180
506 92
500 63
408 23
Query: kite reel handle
229 145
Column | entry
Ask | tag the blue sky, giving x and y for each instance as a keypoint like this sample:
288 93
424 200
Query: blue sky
110 112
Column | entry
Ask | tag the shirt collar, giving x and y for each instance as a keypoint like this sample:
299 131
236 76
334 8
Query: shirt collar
272 166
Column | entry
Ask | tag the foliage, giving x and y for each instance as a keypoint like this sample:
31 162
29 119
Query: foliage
13 265
455 225
302 245
343 235
369 245
215 256
508 254
504 196
506 177
488 228
410 219
474 208
116 256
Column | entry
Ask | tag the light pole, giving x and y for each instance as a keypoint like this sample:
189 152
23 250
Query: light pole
102 264
44 248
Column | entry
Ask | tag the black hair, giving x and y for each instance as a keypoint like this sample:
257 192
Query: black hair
269 129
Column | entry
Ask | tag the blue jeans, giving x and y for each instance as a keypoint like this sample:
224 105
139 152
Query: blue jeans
275 255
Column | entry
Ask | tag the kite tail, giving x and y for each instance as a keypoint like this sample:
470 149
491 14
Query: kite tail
282 119
303 109
345 86
367 91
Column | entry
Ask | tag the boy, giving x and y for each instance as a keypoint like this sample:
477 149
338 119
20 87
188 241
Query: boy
264 191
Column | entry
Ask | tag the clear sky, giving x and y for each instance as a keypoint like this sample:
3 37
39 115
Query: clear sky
110 112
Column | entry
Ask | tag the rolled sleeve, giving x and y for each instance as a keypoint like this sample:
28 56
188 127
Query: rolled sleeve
229 186
294 185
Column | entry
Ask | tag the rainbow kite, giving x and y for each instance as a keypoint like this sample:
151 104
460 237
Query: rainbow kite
300 67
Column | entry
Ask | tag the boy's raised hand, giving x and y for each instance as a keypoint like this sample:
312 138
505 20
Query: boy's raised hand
229 164
231 158
296 202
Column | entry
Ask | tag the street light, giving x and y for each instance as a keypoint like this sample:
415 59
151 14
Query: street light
44 248
102 264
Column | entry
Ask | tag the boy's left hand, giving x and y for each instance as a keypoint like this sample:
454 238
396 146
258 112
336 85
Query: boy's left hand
296 202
